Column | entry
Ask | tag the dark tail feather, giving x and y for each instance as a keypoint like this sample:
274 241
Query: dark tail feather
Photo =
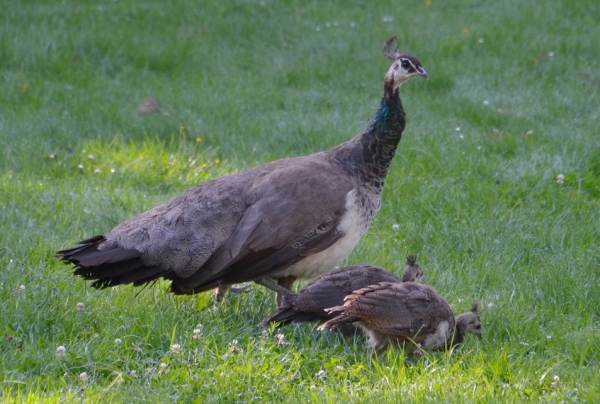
83 245
288 314
112 267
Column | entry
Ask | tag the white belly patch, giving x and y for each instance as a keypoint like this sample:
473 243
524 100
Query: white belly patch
439 337
353 226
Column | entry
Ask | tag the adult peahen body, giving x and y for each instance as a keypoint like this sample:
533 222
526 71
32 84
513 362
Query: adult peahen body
291 218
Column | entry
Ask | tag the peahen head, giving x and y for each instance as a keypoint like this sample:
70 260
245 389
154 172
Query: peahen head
404 68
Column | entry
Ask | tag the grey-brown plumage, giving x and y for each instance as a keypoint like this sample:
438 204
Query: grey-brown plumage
400 313
329 290
292 218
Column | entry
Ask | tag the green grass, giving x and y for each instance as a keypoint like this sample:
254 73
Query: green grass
258 81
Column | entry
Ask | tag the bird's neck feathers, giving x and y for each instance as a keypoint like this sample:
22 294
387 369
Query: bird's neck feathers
369 154
390 113
380 140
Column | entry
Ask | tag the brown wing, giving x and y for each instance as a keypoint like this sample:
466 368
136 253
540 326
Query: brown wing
329 290
398 310
236 228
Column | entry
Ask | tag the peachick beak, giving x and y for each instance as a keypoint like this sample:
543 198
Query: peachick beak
423 73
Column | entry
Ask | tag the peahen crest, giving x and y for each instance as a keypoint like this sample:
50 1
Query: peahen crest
391 49
411 259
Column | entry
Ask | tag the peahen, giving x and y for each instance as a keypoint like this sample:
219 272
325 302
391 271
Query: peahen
291 218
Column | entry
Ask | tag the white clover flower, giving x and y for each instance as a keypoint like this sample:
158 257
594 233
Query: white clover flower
461 137
457 129
80 166
197 333
490 305
320 373
264 334
339 368
60 351
480 40
133 373
396 227
549 337
175 348
556 380
550 54
53 156
97 171
80 307
280 339
91 156
162 368
234 346
83 376
112 170
118 341
21 289
560 179
486 102
387 18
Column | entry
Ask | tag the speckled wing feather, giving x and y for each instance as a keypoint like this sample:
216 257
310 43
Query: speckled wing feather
329 290
396 309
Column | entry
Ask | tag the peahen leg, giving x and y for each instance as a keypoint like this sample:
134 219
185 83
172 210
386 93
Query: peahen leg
222 289
286 282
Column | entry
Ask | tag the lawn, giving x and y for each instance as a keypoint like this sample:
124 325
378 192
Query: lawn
496 185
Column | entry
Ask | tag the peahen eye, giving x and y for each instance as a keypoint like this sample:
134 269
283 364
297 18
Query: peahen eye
405 64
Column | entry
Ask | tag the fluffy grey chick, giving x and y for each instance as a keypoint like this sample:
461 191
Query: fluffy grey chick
329 290
401 313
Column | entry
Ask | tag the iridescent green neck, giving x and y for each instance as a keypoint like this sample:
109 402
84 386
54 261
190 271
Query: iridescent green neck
387 111
372 151
380 140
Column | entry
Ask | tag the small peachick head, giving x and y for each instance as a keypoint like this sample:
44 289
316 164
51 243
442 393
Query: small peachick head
404 68
412 271
470 322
